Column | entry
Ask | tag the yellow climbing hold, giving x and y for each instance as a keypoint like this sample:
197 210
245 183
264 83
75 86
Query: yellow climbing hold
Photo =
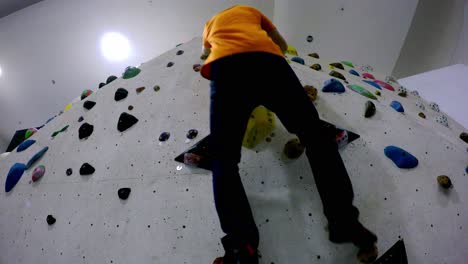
291 50
67 107
260 125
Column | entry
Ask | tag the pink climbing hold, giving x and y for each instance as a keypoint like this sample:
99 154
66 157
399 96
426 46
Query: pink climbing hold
384 85
367 75
38 173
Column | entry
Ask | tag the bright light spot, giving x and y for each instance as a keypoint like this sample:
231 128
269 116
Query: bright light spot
115 46
0 71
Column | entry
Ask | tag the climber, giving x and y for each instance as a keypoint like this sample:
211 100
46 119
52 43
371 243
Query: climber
246 66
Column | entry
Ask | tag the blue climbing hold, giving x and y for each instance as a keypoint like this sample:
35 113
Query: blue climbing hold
400 157
353 72
25 145
36 157
333 86
14 175
373 84
397 106
298 60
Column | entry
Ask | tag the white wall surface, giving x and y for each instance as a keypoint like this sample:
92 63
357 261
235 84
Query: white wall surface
363 31
448 87
59 40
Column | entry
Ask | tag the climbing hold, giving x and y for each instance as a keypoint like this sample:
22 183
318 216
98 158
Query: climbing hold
397 106
156 88
170 64
140 89
466 169
353 72
367 75
314 55
30 132
85 94
89 105
400 157
101 85
348 63
293 149
391 79
367 68
126 121
25 145
298 60
422 115
67 107
373 84
420 105
443 120
369 109
69 172
111 79
333 86
311 92
178 45
384 85
464 137
85 131
180 52
164 136
130 72
378 93
337 65
402 91
38 173
51 220
64 128
291 50
310 38
196 67
192 133
434 107
130 107
123 193
36 157
337 75
14 175
86 169
444 181
120 94
197 155
415 93
316 67
80 119
362 91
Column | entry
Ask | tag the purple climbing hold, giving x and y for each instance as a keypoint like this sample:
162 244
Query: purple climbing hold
400 157
164 136
89 105
14 175
85 131
333 86
126 121
298 60
36 157
38 173
25 145
86 169
397 106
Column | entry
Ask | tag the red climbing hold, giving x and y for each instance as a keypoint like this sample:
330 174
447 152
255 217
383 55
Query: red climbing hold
367 75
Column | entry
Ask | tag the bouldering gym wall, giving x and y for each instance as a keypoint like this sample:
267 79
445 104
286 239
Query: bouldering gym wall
119 174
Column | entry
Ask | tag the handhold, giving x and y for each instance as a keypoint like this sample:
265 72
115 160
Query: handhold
291 50
192 133
293 149
391 79
402 92
64 128
337 75
373 84
156 88
14 175
140 89
442 119
130 72
38 173
310 38
316 67
422 115
420 105
85 94
434 107
120 94
67 107
51 220
36 157
164 136
123 193
89 105
196 67
85 131
180 52
378 93
170 64
126 121
353 72
69 171
333 86
30 132
348 63
311 92
314 55
464 137
444 181
400 157
384 85
362 91
25 145
101 85
86 169
111 79
367 75
298 60
130 107
178 45
369 109
80 119
337 65
397 106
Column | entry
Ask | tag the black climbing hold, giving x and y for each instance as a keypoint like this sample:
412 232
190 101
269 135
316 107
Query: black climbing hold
164 136
369 109
89 104
123 193
51 220
192 133
310 38
293 149
156 88
180 52
395 255
69 172
140 89
126 121
111 79
314 55
101 85
80 119
316 67
464 136
130 107
86 169
337 75
337 65
120 94
85 130
170 64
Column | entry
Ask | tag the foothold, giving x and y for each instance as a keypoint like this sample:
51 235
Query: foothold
337 65
30 132
156 88
314 55
434 107
164 136
25 145
353 72
369 109
192 133
38 173
293 149
140 89
348 63
36 157
170 64
298 60
384 85
69 172
111 79
14 175
51 220
443 120
123 193
130 107
311 92
420 105
400 157
120 94
178 45
180 52
464 137
85 131
80 119
337 75
130 72
397 106
126 121
89 105
333 86
373 84
64 128
367 68
444 181
101 85
415 93
310 38
85 94
316 67
402 91
86 169
422 115
362 91
197 67
391 79
367 75
378 93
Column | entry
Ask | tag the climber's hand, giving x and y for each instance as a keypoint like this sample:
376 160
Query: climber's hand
205 53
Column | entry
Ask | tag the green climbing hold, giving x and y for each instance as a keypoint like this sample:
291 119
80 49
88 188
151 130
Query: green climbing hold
422 115
55 133
64 128
30 132
369 109
348 63
314 55
337 65
362 91
316 67
131 72
156 88
85 94
337 75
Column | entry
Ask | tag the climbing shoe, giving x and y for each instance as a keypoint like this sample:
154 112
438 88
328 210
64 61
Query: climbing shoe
245 255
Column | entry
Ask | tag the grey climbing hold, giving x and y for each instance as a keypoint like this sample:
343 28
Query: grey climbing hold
85 131
464 137
369 109
51 220
86 169
192 133
434 107
164 136
444 181
120 94
415 93
69 172
420 105
126 121
123 193
443 120
293 149
89 105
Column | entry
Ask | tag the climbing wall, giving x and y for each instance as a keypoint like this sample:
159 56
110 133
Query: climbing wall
169 215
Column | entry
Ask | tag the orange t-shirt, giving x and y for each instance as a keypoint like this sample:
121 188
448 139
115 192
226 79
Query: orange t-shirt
238 29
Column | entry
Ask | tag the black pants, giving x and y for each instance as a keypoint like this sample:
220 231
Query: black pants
239 84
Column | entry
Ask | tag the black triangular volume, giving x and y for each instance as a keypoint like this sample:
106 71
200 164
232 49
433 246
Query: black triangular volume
120 94
89 104
395 255
198 155
126 121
